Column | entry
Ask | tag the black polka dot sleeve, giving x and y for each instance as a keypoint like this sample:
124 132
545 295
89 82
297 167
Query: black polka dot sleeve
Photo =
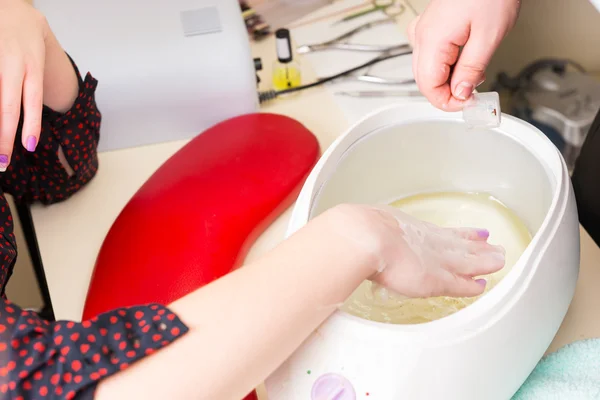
66 360
40 176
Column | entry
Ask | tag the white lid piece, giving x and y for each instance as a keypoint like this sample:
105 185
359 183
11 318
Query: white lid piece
483 110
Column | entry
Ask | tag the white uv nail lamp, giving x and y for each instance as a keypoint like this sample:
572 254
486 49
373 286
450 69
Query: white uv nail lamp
485 350
167 70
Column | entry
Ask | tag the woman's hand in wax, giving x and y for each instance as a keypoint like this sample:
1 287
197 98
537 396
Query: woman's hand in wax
445 75
281 298
418 259
34 70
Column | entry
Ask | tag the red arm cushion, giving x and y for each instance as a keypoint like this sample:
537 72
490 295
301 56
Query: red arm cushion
194 219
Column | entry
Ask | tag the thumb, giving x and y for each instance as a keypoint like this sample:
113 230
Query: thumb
462 286
412 39
469 71
411 31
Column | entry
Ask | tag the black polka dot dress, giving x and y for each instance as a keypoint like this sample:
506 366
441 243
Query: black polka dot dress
66 360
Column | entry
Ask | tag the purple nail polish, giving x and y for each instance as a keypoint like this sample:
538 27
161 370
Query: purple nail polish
483 233
3 162
31 143
481 282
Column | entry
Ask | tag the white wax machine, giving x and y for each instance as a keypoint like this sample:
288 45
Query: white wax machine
167 70
486 350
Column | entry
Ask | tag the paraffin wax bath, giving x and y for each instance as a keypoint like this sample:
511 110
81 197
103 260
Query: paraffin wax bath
476 210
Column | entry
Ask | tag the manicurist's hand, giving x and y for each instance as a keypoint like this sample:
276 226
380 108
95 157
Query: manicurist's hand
34 70
446 78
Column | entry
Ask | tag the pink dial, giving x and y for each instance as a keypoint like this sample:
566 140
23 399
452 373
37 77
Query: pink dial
332 387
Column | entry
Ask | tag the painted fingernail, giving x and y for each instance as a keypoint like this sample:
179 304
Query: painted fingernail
31 143
3 162
464 90
481 282
483 233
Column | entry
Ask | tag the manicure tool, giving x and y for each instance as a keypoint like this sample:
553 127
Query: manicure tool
325 17
381 93
391 8
339 43
366 76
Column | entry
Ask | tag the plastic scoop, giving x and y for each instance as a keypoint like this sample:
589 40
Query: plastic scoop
482 110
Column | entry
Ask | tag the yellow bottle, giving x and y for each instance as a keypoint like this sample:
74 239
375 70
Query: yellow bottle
286 71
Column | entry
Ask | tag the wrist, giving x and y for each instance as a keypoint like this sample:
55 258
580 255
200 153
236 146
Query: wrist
61 84
355 228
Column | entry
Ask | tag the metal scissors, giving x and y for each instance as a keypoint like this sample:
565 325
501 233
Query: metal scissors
368 77
339 43
393 52
391 8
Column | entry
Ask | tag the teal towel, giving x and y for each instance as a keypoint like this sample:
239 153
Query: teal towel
571 373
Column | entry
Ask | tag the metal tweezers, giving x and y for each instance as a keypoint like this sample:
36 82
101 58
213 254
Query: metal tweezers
338 42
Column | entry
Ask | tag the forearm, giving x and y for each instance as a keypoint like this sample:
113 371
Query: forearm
60 81
246 324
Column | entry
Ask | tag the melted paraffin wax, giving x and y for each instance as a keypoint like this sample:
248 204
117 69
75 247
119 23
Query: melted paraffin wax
477 210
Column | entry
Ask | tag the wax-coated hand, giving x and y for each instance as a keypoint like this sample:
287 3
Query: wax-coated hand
446 76
23 31
418 259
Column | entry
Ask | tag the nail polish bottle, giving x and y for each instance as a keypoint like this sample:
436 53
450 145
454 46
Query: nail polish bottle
286 71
